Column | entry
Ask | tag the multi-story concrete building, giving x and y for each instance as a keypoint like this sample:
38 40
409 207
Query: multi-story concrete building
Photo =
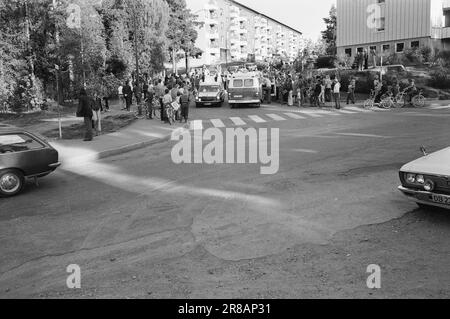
392 25
231 31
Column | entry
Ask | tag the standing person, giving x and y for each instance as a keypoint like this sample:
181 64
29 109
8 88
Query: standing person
85 111
159 94
328 85
121 97
317 91
366 59
137 93
374 57
128 96
322 92
166 101
185 100
351 92
106 101
337 93
96 110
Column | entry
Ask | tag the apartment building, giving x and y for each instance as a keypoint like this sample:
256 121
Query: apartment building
392 25
231 32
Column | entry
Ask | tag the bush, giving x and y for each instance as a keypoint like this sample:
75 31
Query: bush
440 79
325 62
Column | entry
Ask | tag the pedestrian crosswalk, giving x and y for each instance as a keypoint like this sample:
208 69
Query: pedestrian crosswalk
295 114
266 117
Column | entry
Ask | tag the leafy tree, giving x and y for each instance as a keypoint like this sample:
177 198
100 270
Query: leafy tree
182 33
329 34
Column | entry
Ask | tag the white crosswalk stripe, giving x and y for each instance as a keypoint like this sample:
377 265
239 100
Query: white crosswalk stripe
217 123
443 107
257 119
310 113
356 109
294 116
346 112
196 125
237 121
276 117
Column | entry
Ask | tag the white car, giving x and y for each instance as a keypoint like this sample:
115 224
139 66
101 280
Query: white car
426 180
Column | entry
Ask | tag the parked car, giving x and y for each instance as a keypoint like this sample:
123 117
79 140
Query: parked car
210 93
426 180
23 155
245 89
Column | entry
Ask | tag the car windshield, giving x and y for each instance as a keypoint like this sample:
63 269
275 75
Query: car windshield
238 83
248 83
209 88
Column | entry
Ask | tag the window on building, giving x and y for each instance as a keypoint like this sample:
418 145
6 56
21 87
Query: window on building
348 52
381 1
415 44
400 47
381 23
447 18
373 48
386 48
359 50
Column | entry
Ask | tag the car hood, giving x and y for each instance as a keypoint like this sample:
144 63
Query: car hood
434 164
208 94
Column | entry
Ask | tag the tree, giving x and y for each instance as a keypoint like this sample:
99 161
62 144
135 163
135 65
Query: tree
329 34
181 33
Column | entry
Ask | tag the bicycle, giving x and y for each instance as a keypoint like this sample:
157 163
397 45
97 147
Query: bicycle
417 100
386 101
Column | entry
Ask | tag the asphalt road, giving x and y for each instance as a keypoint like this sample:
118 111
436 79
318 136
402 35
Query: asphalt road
140 226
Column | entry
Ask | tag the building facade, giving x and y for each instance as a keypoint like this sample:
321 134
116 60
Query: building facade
231 32
392 25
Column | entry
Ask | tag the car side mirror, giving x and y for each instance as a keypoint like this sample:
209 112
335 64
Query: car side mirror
424 151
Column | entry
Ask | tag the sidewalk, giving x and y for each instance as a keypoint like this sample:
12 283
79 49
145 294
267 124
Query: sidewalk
140 134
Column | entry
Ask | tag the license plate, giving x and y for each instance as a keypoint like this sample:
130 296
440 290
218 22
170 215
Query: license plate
238 96
440 199
208 103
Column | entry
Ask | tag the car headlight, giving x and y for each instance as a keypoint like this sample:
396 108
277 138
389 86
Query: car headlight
429 186
420 179
411 178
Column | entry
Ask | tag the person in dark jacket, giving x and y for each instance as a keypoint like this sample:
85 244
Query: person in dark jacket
128 95
185 100
85 111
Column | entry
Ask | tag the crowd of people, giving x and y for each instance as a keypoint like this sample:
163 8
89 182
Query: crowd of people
178 92
300 90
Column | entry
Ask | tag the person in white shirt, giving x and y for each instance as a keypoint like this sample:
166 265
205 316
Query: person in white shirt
337 93
121 97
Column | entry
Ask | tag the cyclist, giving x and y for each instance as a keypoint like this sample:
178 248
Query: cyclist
411 91
381 92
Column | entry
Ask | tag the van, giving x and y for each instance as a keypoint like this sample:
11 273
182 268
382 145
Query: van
245 89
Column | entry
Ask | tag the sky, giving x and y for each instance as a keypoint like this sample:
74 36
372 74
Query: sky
304 15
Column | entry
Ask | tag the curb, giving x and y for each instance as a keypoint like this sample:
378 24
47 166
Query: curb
118 151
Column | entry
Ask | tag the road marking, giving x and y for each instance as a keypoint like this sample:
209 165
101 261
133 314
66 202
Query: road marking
357 109
324 112
310 113
294 116
237 121
362 135
276 117
440 107
257 119
196 125
346 112
217 123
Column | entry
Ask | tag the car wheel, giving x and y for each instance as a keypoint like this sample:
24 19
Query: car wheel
11 182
